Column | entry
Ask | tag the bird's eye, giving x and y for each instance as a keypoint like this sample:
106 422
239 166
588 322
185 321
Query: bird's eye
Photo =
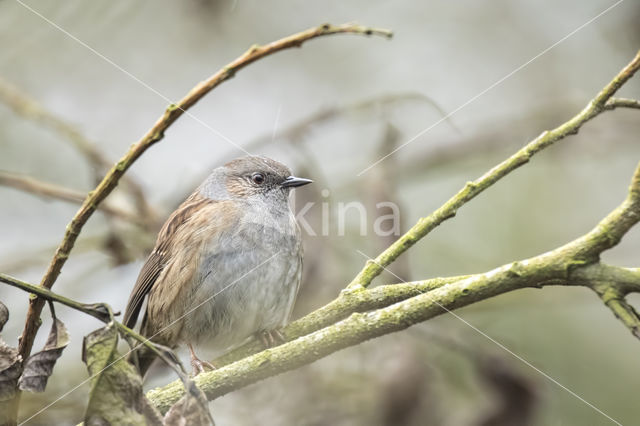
257 178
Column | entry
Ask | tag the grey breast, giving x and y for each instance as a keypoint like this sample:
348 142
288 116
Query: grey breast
249 282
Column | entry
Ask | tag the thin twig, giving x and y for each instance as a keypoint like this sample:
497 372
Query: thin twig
102 312
27 107
50 190
152 136
449 209
295 132
622 103
96 310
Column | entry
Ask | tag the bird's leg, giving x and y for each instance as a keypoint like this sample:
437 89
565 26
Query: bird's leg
198 365
271 338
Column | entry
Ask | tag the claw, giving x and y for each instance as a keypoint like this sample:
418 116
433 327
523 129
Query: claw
271 338
198 365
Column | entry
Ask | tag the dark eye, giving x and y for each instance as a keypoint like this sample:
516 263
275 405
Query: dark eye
257 178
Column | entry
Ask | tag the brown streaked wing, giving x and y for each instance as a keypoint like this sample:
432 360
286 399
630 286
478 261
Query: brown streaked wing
157 259
148 275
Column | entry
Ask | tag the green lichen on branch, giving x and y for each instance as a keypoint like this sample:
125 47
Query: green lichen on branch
346 304
551 268
576 263
474 188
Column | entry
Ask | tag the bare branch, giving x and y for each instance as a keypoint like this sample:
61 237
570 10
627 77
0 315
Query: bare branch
622 103
153 135
96 310
295 132
49 190
449 209
27 107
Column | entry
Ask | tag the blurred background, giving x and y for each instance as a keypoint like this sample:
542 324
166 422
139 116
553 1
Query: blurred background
329 110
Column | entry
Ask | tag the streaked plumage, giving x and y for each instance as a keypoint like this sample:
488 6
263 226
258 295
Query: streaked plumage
227 263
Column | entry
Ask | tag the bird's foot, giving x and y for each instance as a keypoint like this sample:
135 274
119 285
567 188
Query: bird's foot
271 338
198 365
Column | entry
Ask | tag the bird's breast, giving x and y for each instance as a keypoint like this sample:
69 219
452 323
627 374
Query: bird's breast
247 280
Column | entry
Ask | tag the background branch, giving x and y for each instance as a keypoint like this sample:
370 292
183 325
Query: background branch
295 132
29 108
50 190
152 136
448 210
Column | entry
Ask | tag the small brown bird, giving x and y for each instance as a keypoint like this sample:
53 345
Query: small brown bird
226 264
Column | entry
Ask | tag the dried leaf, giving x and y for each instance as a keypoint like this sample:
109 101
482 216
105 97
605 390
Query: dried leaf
4 315
191 409
39 366
10 368
116 395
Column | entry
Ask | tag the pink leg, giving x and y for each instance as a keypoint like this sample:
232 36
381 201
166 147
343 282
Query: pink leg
198 365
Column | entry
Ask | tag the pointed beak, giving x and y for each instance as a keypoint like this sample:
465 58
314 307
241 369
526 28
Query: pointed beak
292 182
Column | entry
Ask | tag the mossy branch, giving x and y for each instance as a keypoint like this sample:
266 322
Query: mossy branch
597 105
154 135
576 263
393 308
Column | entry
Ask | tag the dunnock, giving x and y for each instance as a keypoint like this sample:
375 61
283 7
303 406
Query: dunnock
226 264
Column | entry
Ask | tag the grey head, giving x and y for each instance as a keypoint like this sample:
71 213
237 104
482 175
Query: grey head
252 178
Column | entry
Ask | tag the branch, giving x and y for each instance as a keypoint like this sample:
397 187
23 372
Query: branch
23 105
104 313
153 135
575 263
614 103
294 132
96 310
597 105
340 308
45 189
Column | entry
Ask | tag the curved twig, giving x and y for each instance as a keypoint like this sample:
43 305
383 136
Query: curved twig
449 209
152 136
23 105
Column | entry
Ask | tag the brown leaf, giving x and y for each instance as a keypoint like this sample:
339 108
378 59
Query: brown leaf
4 315
10 363
39 366
116 395
191 409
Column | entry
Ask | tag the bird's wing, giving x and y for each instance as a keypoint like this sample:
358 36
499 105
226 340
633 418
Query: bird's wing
148 275
162 253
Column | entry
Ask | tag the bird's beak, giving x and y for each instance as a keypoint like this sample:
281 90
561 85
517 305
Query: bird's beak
292 182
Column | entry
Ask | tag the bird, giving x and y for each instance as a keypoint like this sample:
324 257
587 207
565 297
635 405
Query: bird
226 265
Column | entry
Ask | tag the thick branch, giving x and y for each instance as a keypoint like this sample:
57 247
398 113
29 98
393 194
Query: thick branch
575 263
340 308
153 135
449 209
